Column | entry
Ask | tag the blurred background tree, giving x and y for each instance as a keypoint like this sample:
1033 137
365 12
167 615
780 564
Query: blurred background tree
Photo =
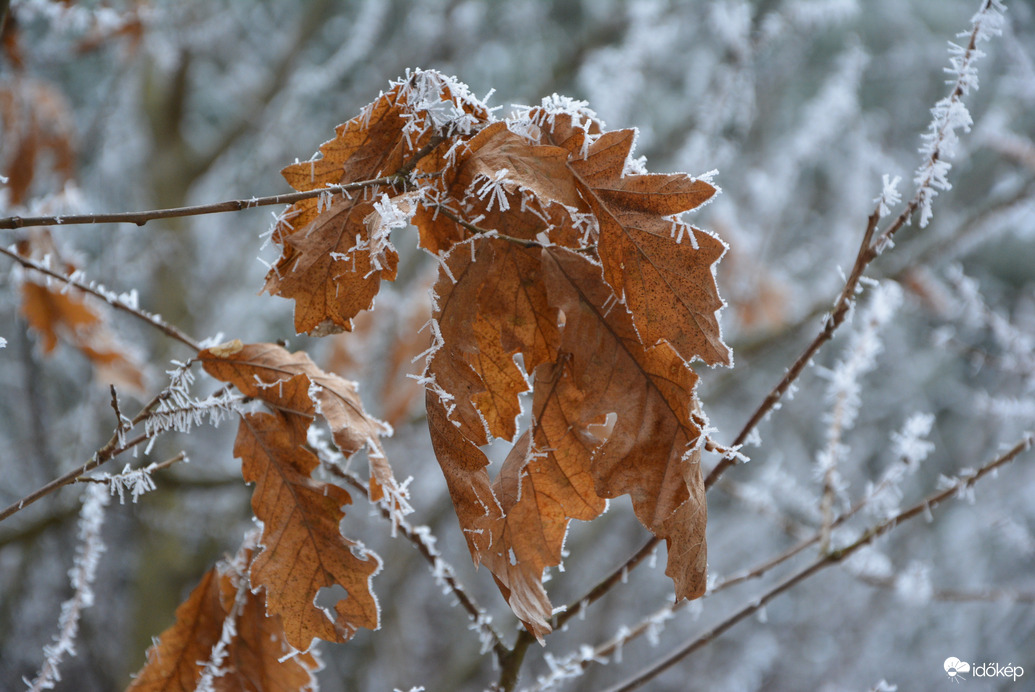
801 105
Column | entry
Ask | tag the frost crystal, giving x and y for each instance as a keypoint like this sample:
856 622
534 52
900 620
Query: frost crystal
136 481
82 575
940 140
180 411
909 443
889 196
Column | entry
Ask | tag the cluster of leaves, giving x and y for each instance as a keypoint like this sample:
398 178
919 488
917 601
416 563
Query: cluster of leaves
565 277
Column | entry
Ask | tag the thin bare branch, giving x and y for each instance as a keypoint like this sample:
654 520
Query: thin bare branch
413 535
111 449
142 217
961 485
107 297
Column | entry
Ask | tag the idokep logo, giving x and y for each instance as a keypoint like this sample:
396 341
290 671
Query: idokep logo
956 670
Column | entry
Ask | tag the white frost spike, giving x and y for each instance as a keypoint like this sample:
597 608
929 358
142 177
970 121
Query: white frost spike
909 444
82 575
940 140
494 189
889 196
137 481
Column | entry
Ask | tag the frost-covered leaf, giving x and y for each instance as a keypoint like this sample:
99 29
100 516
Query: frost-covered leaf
589 365
254 657
303 550
498 181
662 268
333 261
652 453
289 382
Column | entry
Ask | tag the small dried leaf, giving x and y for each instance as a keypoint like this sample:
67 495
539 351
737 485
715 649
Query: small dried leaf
55 313
303 549
288 381
256 658
175 663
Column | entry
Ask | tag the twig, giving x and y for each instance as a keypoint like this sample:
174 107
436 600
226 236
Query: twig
604 585
842 308
872 246
411 534
150 468
821 563
142 217
486 232
958 596
152 320
110 450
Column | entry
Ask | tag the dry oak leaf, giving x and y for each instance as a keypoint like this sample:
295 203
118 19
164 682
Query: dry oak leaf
37 128
506 184
259 659
490 304
594 367
289 381
652 452
516 524
303 550
52 311
175 662
256 658
332 263
659 267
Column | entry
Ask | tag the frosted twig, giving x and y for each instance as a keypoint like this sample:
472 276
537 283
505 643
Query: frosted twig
117 443
136 481
441 570
142 217
950 114
107 297
964 483
843 391
984 24
82 575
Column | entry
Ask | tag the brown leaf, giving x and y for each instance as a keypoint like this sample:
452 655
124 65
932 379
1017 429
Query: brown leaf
58 311
49 310
256 658
303 549
662 269
37 128
332 262
496 300
499 181
286 381
652 453
259 659
175 663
